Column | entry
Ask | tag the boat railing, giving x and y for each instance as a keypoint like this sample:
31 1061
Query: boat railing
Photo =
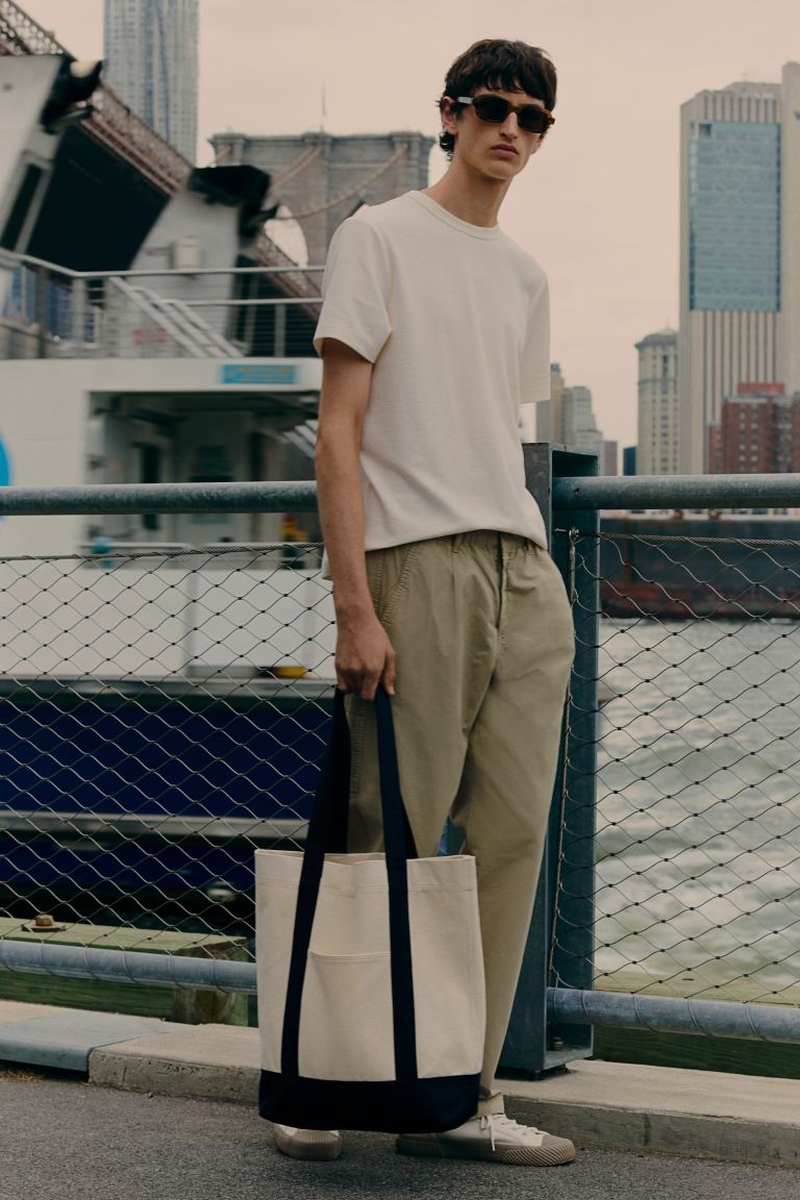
49 311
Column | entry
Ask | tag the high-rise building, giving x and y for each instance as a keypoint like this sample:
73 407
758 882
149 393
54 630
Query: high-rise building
609 464
580 426
758 432
567 418
740 249
658 403
629 460
151 57
549 424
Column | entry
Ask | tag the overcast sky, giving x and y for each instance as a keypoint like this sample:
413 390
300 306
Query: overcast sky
598 207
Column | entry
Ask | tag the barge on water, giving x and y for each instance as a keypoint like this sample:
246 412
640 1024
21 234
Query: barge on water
686 567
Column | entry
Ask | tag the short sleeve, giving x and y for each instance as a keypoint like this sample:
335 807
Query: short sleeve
535 373
355 290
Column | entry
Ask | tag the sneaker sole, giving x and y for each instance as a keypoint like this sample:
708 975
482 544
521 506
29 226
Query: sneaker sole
308 1151
520 1156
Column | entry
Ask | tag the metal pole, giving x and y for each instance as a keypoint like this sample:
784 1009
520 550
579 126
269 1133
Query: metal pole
560 937
565 1006
572 823
127 966
294 496
670 1014
678 491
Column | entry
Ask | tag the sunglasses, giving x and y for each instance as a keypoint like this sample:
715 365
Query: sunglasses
494 110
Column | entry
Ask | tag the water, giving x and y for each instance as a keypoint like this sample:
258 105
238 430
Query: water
698 876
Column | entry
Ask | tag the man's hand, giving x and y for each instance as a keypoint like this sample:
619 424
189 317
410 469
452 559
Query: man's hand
364 657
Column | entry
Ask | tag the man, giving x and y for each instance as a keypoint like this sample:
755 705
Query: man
434 329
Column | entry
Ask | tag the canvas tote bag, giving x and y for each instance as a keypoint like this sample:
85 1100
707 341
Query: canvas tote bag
371 993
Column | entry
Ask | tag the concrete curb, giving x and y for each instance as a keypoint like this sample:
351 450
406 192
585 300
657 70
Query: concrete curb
207 1062
691 1135
699 1114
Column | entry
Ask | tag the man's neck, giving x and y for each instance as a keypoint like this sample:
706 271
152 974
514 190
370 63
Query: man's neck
469 197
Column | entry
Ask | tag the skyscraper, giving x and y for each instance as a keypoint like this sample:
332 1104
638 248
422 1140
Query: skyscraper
151 52
580 426
658 404
740 249
567 418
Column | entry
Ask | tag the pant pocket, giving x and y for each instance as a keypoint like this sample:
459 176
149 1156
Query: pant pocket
388 574
346 1017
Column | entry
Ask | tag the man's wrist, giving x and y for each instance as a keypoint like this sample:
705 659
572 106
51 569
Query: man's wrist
354 609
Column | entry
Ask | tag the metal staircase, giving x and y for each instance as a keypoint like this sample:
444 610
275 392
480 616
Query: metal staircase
179 321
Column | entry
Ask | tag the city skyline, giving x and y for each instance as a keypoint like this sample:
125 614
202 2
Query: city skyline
598 207
740 250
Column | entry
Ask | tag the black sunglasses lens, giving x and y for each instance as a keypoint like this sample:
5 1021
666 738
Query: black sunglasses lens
495 109
532 119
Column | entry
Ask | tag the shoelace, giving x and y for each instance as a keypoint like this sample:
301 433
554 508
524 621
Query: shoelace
487 1122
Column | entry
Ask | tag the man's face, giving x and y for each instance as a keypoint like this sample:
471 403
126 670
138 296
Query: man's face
497 152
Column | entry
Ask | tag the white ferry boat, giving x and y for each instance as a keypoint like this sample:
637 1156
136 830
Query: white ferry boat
162 677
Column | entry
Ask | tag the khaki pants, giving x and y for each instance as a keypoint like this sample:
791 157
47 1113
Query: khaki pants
483 633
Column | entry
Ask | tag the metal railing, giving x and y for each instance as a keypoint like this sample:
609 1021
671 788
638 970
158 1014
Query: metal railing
163 714
678 870
47 311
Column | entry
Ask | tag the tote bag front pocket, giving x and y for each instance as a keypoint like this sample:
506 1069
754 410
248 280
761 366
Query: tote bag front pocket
350 994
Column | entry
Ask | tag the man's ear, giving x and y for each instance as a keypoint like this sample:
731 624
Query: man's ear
449 122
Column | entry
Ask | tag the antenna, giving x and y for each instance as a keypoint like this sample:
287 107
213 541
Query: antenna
323 109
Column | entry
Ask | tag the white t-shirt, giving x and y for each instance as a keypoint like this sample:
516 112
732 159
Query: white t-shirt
455 318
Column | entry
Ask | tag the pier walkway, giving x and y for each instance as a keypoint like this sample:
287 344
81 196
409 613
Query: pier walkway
65 1139
146 1107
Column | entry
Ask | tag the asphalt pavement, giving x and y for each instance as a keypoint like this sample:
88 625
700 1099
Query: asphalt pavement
66 1139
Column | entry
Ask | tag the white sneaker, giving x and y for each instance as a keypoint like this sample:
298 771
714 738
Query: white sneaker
493 1138
316 1145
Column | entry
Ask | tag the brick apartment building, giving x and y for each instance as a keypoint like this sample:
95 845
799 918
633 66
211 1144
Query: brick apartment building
758 432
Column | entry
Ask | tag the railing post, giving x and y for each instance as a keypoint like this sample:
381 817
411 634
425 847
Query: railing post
280 331
560 939
79 314
572 948
42 288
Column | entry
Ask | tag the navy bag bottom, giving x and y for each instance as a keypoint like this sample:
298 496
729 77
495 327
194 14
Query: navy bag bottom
415 1106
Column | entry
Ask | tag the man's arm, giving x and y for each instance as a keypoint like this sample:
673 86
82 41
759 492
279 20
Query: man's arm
364 654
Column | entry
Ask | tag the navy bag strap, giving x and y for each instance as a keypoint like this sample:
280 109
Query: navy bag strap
327 833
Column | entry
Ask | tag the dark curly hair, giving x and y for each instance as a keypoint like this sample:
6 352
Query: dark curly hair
502 65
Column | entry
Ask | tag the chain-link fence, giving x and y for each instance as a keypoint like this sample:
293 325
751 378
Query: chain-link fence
697 821
162 713
164 710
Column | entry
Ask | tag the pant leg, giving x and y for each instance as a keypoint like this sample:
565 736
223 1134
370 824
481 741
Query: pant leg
483 634
507 785
440 614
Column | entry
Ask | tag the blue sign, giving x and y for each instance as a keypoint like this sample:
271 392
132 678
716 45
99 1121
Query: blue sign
5 470
258 374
